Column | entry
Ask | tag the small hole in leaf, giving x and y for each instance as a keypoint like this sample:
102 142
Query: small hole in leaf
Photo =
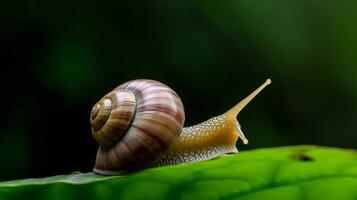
302 158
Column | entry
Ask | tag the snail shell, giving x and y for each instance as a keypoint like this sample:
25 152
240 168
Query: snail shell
140 124
134 124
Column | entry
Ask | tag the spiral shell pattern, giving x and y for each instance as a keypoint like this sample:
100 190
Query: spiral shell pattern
134 125
111 116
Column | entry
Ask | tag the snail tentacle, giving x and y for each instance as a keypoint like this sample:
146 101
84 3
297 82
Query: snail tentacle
211 138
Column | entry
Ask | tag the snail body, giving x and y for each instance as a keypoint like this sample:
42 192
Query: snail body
139 124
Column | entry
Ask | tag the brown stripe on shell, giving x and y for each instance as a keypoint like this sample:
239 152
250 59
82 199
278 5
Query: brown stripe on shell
161 101
136 86
125 157
157 123
178 116
162 123
143 147
152 135
129 153
109 163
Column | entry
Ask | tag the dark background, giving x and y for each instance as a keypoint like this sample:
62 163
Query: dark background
58 59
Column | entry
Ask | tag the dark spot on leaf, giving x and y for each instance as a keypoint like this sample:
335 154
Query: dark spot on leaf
302 158
354 153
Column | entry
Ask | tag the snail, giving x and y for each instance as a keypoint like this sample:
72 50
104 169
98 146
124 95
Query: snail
139 124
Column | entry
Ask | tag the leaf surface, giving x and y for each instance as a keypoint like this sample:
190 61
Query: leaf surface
297 172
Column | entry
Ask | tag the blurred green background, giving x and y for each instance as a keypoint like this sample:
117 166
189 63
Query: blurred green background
59 58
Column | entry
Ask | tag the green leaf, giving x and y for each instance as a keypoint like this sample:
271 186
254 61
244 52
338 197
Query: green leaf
300 172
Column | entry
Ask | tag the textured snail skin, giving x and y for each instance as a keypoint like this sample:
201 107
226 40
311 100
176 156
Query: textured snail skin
154 135
204 141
